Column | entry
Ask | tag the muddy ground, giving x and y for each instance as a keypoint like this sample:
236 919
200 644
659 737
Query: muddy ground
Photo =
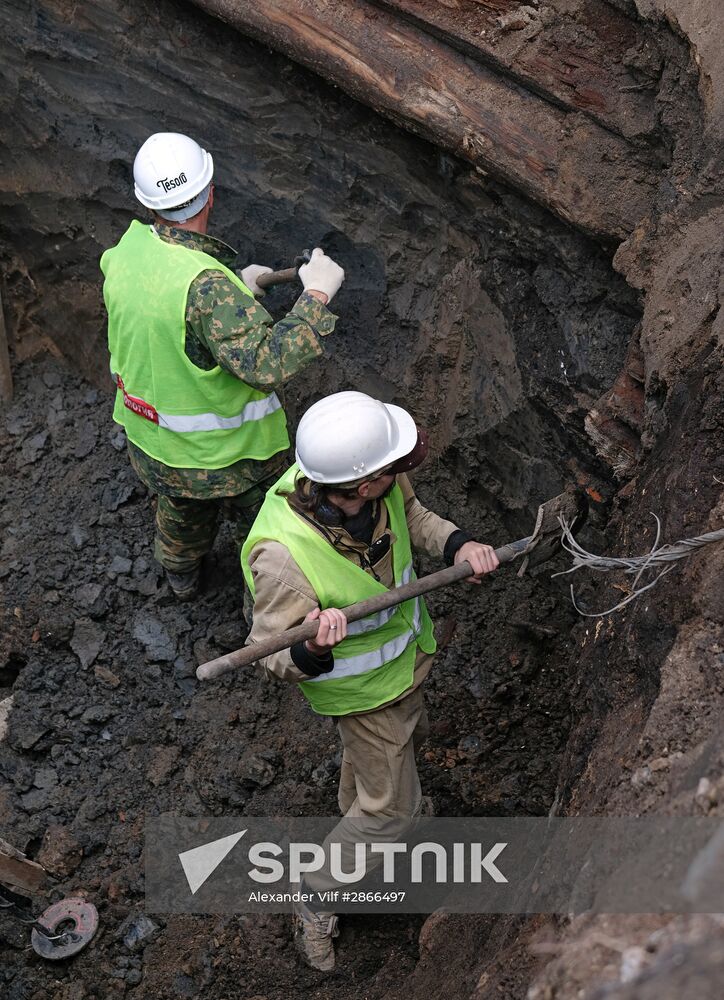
109 724
533 362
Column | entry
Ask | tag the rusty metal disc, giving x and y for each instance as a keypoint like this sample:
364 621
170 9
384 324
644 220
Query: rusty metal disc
73 920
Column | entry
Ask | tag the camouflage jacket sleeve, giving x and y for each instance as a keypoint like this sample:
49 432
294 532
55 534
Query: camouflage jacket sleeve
244 339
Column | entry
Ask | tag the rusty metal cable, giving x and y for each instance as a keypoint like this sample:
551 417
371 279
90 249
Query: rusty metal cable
665 555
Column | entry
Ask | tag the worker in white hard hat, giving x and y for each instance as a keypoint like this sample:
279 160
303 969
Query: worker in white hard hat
196 358
338 527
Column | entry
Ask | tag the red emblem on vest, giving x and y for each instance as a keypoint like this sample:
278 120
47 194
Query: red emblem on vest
139 406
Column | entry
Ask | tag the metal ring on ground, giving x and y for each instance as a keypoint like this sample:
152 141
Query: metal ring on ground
82 919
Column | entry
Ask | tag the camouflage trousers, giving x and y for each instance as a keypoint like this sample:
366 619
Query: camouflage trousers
186 527
192 502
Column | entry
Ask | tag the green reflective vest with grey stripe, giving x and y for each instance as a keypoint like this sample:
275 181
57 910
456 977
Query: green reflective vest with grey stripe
175 412
376 662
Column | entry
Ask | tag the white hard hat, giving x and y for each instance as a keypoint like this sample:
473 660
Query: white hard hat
350 436
172 175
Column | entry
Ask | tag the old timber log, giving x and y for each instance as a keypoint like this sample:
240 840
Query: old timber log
564 127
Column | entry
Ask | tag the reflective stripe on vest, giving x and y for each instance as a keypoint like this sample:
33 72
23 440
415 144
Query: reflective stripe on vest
183 423
375 662
176 412
255 410
349 666
371 622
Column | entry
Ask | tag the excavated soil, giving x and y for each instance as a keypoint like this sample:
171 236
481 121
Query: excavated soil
502 329
109 724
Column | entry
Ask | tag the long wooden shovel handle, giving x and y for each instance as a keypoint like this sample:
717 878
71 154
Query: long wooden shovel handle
307 630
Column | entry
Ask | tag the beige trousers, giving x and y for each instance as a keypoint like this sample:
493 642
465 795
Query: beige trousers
379 775
378 779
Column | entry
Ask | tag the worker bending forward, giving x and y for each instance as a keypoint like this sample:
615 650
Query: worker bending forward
337 528
196 358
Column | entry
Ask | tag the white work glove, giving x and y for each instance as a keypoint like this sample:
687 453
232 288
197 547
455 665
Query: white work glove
321 274
249 275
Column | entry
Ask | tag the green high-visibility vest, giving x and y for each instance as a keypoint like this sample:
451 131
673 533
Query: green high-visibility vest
376 662
175 412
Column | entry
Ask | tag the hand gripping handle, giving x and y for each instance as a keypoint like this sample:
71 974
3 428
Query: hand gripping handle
308 630
287 274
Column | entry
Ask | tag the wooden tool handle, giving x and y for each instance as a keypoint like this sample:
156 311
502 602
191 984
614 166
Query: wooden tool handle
287 274
270 278
307 630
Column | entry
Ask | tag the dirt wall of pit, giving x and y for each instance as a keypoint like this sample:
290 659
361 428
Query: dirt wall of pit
535 358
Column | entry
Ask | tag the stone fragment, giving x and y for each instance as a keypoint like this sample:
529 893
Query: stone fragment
115 494
183 667
163 764
29 736
147 585
152 634
33 448
117 440
660 764
85 440
18 422
35 800
92 809
641 776
87 642
136 931
470 747
187 685
79 536
706 794
60 853
184 985
56 416
255 771
106 676
97 714
141 566
633 961
45 777
12 545
55 632
204 650
5 706
228 635
91 598
119 564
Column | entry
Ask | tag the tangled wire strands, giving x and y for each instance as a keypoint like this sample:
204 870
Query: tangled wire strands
630 564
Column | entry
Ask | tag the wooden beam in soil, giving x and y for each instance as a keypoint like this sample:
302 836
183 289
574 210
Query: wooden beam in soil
563 160
20 872
576 55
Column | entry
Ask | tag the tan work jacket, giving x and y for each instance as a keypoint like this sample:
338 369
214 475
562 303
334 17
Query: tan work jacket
284 596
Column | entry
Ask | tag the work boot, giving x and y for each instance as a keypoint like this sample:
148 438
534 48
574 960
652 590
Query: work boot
184 585
313 933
